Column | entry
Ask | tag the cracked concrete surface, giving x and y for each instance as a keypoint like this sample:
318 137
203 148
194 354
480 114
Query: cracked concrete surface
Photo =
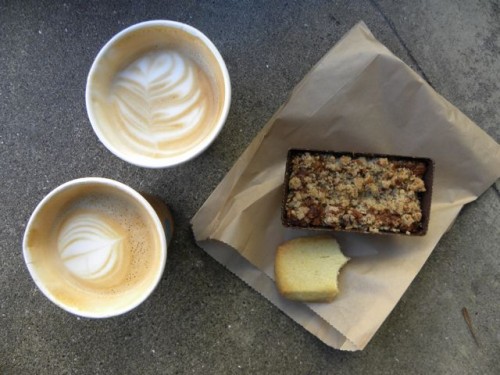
202 319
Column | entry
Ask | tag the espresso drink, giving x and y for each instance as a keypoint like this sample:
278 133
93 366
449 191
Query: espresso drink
94 249
157 93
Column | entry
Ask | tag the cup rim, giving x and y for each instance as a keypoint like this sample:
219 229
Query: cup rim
139 199
186 156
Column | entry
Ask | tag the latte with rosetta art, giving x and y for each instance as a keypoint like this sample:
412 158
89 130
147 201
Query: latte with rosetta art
158 94
162 104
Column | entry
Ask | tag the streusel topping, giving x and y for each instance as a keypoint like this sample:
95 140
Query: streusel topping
374 194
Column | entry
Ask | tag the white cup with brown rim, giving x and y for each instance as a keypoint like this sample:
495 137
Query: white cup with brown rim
158 93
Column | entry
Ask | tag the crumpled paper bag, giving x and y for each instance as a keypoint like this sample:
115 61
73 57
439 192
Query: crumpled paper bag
359 97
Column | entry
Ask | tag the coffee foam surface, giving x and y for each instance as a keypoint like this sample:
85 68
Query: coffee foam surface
162 100
161 103
93 247
100 249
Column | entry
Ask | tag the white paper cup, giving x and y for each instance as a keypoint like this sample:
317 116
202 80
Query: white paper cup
96 247
158 93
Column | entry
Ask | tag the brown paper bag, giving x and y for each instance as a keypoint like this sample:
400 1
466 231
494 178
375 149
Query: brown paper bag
359 97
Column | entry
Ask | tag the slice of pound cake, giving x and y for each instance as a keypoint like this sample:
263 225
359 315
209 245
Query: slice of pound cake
307 268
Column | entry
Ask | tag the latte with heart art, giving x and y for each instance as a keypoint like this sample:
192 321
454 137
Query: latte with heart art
94 248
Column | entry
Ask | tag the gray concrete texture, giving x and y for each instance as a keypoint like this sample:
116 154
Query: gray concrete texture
202 319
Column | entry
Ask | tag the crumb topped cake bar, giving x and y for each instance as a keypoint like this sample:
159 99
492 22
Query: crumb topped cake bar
372 194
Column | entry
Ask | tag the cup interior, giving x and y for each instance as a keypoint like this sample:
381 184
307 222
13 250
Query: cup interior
92 267
158 93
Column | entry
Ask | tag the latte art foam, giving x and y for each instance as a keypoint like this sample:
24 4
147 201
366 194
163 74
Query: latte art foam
162 104
104 243
93 247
